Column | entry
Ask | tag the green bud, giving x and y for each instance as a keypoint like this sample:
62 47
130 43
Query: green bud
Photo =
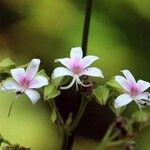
102 94
53 115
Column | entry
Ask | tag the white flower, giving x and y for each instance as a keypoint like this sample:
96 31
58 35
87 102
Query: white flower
76 66
133 90
25 81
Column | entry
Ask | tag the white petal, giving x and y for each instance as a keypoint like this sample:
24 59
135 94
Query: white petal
76 53
32 68
123 82
143 85
38 82
64 61
143 99
144 95
70 85
18 74
61 71
129 76
10 85
33 95
88 60
122 100
92 71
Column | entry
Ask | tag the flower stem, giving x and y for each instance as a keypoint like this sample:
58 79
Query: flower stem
79 114
53 105
107 139
69 133
87 19
69 136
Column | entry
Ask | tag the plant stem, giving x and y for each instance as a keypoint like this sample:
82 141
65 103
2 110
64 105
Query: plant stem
79 114
53 106
70 135
107 139
88 12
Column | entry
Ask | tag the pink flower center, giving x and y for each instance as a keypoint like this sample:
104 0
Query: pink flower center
25 82
76 69
134 91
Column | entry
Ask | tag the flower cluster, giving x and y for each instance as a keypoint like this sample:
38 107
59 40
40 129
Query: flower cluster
26 81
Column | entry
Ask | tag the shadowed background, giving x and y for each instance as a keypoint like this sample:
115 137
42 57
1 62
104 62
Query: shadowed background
48 29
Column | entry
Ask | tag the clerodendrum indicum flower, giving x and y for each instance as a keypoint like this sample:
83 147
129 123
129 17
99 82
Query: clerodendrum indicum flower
133 90
25 81
76 66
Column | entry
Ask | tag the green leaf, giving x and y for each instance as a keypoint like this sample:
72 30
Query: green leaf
43 73
50 91
114 84
6 64
53 115
102 94
117 111
60 81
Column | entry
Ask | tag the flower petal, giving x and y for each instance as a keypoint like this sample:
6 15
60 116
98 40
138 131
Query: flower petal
70 85
144 95
10 85
88 60
18 74
143 85
64 61
76 53
61 71
33 95
129 76
123 82
143 99
122 100
38 82
92 71
32 68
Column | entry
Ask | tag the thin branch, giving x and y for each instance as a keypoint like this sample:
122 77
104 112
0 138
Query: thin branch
86 27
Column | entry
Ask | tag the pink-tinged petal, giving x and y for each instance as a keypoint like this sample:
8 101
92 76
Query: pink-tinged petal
88 60
144 96
10 85
122 100
142 85
92 71
18 74
129 76
70 85
76 53
64 61
33 68
61 71
123 83
38 82
33 95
